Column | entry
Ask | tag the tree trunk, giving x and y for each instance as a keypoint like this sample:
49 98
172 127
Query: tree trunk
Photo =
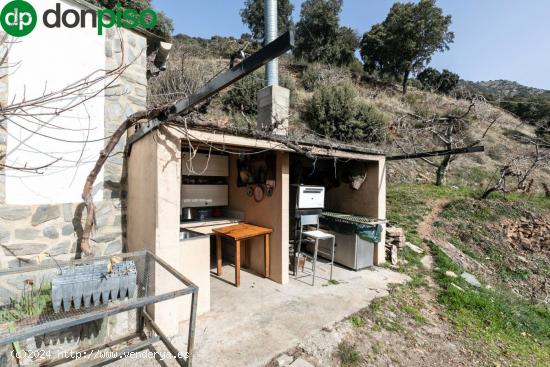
405 80
88 186
441 179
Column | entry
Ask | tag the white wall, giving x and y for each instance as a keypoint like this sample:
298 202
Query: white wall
51 59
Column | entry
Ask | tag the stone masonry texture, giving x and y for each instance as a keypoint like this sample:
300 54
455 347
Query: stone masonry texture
40 234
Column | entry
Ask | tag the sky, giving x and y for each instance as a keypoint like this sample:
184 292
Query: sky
494 39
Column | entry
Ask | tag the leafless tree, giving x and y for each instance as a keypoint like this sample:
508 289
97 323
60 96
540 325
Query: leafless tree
184 75
414 133
520 168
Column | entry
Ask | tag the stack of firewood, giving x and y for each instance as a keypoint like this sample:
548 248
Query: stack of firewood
395 239
395 236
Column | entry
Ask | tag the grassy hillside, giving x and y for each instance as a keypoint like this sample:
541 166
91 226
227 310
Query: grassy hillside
195 61
529 104
439 318
505 321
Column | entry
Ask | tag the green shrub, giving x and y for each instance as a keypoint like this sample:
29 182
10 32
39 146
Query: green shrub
373 122
357 70
311 77
336 112
349 356
443 82
243 96
357 321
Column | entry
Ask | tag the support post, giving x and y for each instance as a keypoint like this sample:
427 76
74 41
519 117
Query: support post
273 109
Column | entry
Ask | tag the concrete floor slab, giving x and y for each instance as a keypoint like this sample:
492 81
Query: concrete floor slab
250 325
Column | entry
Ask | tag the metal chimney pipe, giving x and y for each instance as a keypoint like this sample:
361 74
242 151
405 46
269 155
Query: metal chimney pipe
271 33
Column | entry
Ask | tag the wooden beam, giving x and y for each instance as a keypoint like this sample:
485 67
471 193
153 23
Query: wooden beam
437 153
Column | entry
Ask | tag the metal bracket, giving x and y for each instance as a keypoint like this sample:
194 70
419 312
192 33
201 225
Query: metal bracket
252 63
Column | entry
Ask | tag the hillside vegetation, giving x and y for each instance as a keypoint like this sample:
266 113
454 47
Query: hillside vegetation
527 103
502 321
195 61
477 296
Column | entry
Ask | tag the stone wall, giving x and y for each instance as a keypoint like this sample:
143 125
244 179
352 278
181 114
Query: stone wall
34 234
124 97
3 101
38 234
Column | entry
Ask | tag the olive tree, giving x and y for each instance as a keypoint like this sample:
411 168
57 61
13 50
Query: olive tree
406 40
443 82
319 36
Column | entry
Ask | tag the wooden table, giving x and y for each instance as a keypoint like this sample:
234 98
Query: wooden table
238 233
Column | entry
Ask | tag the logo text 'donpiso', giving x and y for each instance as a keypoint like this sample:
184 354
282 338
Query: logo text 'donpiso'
19 18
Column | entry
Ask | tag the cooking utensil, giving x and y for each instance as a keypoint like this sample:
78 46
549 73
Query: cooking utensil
187 214
258 193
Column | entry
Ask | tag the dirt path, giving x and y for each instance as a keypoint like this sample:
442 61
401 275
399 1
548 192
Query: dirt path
426 232
425 228
410 329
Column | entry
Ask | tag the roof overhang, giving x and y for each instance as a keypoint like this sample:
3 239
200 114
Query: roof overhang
226 139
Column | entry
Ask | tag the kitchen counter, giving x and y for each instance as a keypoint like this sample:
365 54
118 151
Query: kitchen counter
207 226
193 254
192 257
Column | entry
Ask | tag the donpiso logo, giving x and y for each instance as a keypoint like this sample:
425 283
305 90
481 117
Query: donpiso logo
18 18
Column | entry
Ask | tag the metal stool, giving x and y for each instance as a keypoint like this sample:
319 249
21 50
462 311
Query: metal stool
316 235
